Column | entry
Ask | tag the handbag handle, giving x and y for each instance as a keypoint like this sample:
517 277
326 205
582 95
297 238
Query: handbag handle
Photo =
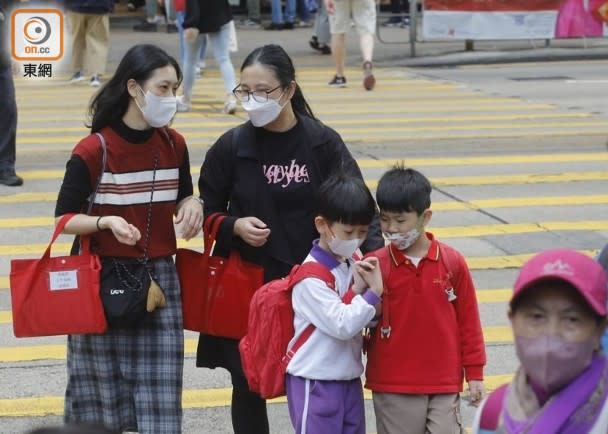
210 229
85 239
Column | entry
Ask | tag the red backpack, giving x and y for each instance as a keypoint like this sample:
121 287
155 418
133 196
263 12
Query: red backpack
264 352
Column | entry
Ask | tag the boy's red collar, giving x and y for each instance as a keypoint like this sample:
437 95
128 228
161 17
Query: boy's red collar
399 257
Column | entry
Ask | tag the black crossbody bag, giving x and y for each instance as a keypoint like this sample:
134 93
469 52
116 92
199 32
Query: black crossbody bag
125 282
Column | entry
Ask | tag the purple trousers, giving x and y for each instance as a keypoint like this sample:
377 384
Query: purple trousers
325 407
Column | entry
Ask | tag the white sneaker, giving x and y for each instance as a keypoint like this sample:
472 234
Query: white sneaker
77 77
182 106
230 105
95 81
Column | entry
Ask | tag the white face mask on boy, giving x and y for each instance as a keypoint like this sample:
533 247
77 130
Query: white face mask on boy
344 248
159 110
404 240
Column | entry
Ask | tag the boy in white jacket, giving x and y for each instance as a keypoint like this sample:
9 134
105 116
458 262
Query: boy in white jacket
324 391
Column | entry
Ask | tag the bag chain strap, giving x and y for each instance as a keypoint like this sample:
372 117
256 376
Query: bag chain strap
121 269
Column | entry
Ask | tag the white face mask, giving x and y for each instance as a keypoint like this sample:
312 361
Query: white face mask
262 113
344 248
404 240
159 110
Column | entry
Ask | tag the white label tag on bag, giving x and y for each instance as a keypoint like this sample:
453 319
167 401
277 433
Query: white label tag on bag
61 280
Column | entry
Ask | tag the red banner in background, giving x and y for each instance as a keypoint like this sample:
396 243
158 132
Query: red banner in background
492 5
514 19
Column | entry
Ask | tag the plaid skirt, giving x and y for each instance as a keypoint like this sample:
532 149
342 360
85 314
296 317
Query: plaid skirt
132 379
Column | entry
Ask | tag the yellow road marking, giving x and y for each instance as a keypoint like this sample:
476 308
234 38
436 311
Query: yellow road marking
447 161
4 282
516 202
26 117
29 353
524 178
483 296
388 88
360 136
6 317
182 127
67 146
197 398
441 232
25 139
531 64
518 228
78 113
321 97
474 262
493 295
486 160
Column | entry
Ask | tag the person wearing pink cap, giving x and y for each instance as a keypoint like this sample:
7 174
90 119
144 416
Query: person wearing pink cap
558 315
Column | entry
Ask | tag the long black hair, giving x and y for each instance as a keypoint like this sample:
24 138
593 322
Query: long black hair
276 58
112 101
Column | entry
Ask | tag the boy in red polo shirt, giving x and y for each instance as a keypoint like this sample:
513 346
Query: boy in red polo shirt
429 336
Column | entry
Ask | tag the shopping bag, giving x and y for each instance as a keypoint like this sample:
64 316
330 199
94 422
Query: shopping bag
216 291
57 295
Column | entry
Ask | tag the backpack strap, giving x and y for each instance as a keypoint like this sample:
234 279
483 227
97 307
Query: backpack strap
490 413
297 274
451 261
602 258
385 258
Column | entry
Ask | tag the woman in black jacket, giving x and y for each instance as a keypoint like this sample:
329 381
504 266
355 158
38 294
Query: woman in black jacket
264 175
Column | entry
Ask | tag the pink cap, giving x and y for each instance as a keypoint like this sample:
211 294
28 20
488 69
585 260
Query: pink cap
570 266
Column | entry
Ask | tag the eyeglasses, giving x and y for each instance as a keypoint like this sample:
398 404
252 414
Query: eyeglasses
257 95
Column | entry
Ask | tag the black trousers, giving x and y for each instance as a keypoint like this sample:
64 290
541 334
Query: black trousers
248 409
396 6
8 120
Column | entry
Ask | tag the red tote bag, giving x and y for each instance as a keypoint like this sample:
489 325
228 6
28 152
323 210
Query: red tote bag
216 291
57 295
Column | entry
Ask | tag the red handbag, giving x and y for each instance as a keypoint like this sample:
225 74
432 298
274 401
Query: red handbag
216 291
57 295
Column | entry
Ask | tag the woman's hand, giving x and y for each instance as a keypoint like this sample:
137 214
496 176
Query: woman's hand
124 232
190 216
190 34
252 230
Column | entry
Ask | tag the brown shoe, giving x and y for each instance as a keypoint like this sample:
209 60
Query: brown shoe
369 81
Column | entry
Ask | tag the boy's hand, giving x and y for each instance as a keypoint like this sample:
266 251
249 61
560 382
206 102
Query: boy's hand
477 391
370 272
358 283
